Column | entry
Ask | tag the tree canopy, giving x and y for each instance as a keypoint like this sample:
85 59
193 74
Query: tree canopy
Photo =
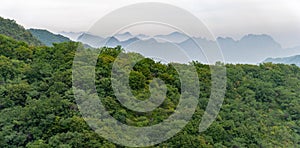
38 109
12 29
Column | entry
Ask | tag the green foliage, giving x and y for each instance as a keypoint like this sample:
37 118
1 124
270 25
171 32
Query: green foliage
37 106
12 29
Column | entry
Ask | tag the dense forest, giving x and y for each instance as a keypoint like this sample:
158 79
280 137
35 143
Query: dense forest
12 29
38 109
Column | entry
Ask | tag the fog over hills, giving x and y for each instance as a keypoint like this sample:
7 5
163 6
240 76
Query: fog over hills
286 60
71 35
174 37
90 39
250 49
124 36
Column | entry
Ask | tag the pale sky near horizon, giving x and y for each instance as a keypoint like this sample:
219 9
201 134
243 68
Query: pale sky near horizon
232 18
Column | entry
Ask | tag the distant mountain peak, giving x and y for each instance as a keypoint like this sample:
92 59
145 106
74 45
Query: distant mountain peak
125 33
175 37
262 40
123 36
71 35
84 35
251 48
285 60
113 39
176 33
90 39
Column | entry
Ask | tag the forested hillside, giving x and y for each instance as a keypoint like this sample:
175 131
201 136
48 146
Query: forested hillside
38 109
48 38
12 29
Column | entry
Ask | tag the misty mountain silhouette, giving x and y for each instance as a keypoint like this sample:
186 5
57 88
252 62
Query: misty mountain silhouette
90 39
175 37
124 36
286 60
251 48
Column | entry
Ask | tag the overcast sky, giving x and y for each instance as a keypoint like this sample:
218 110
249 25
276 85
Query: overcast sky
233 18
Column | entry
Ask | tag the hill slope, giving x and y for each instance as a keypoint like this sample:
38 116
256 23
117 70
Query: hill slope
12 29
47 37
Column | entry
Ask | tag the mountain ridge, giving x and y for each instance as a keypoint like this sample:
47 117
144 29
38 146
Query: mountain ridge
47 37
10 28
251 48
285 60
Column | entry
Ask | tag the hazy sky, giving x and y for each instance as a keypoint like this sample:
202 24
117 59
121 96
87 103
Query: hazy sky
234 18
